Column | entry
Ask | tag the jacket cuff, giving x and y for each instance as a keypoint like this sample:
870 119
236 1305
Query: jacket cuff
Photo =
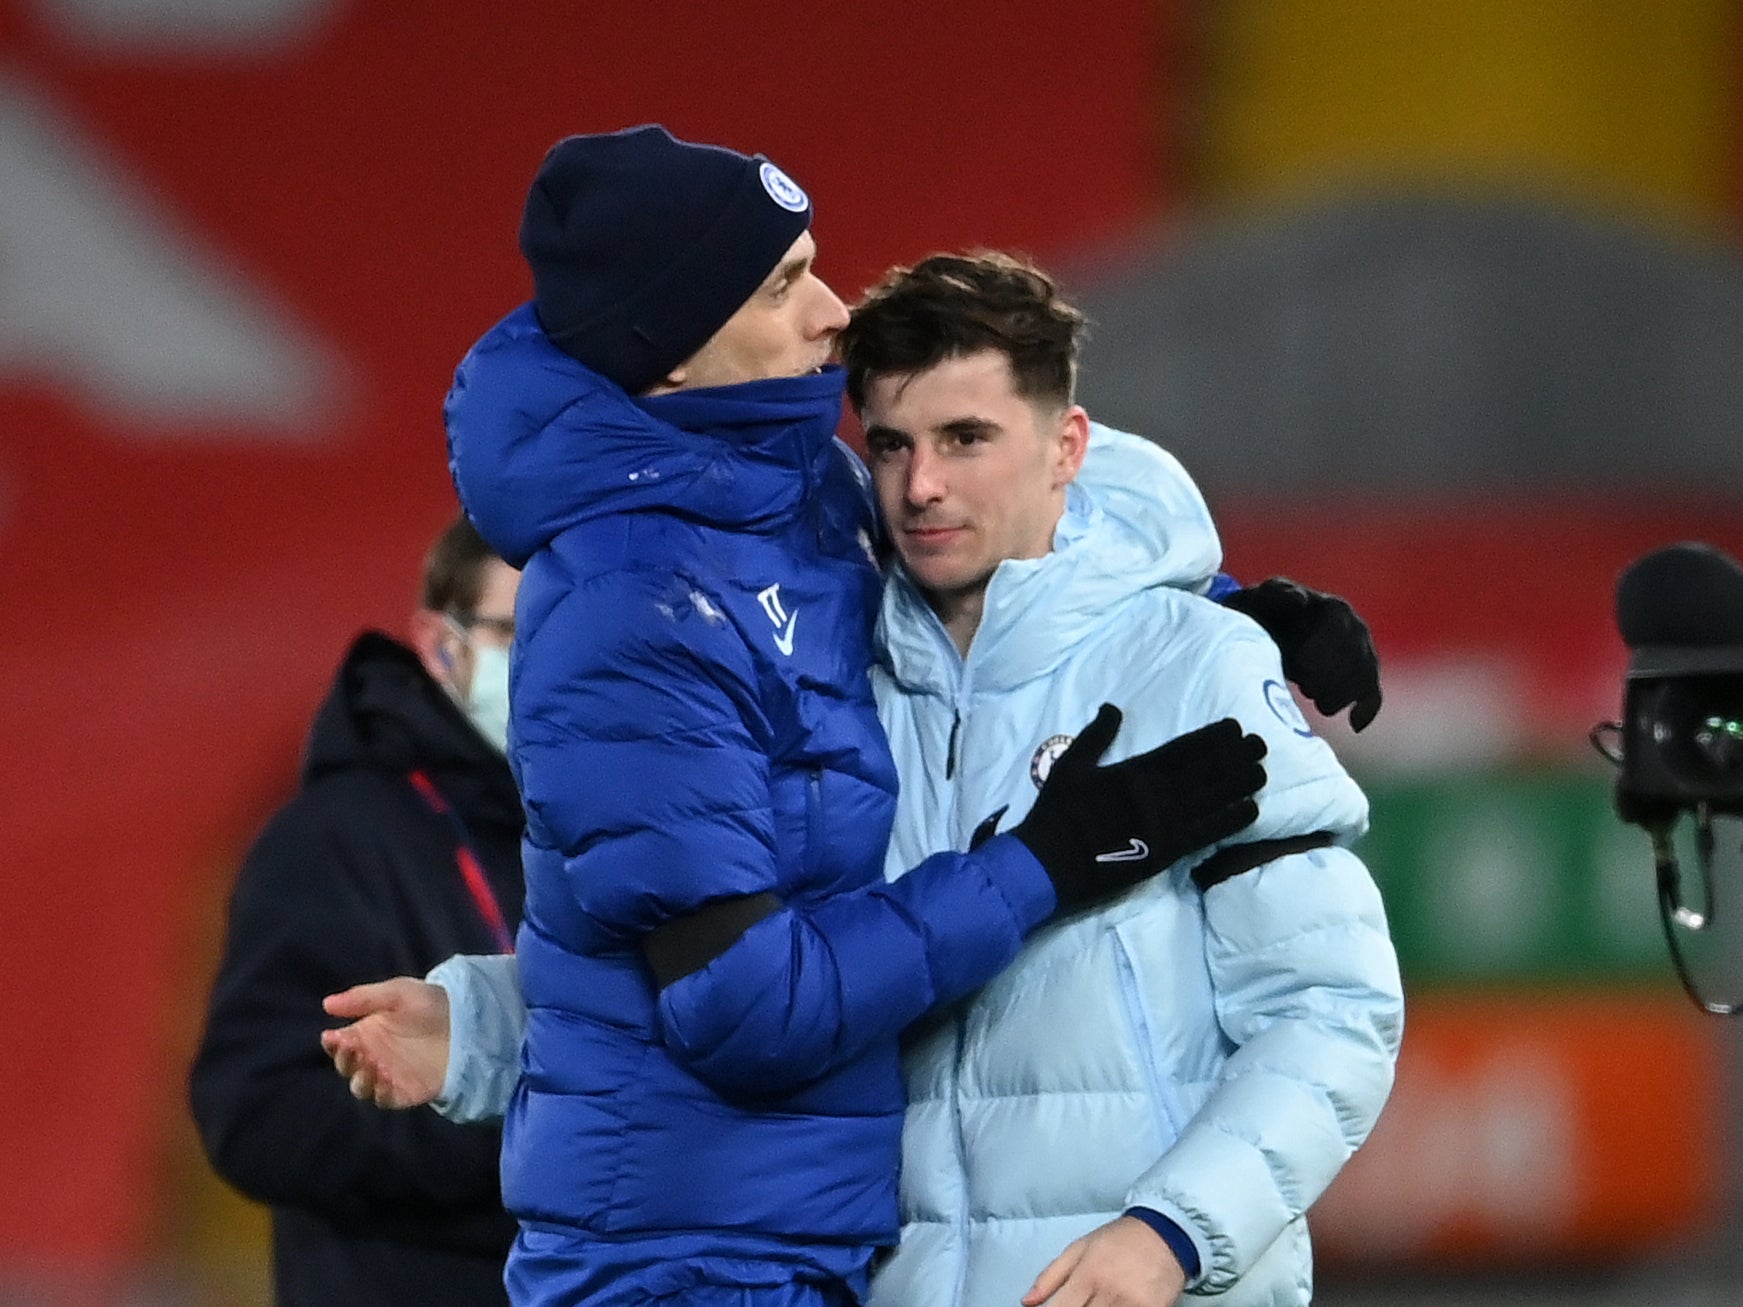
486 1022
1019 877
1178 1241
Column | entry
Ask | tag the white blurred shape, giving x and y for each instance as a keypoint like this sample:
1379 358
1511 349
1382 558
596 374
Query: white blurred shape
1492 1143
184 26
1523 1141
1443 713
1489 881
100 294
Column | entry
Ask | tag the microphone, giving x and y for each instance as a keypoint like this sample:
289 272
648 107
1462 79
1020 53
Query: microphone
1680 612
1687 595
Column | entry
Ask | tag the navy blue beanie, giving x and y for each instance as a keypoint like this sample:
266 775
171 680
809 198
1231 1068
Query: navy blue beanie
642 246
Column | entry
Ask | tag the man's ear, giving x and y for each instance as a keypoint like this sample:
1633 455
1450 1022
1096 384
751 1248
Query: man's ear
1073 444
429 640
673 380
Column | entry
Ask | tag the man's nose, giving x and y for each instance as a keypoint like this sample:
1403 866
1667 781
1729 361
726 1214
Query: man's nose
925 477
829 314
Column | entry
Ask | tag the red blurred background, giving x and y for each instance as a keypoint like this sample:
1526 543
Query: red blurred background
241 250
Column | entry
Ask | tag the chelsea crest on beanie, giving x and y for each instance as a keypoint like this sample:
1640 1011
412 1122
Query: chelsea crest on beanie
642 245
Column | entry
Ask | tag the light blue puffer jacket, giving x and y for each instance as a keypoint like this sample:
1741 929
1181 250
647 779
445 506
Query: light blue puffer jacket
1213 1056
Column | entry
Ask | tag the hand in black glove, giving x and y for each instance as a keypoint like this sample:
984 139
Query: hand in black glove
1326 647
1099 830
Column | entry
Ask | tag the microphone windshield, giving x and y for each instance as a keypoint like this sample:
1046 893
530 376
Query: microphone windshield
1684 594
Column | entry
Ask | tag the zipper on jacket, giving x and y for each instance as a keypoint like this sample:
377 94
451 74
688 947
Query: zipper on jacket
951 657
1168 1124
957 778
813 858
959 1056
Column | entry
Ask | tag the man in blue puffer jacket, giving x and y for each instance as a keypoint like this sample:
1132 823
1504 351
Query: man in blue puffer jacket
714 968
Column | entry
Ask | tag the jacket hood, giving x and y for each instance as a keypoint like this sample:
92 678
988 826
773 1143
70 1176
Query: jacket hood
385 713
538 443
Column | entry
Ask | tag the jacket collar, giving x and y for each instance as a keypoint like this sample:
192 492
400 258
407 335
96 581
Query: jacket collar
1036 612
538 443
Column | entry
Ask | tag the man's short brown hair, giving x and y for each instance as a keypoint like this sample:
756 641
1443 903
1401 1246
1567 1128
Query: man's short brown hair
454 569
953 305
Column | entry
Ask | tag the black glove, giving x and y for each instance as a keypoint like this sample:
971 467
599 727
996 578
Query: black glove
1326 647
1099 830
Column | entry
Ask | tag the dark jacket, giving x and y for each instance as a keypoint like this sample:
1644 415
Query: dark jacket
693 721
357 879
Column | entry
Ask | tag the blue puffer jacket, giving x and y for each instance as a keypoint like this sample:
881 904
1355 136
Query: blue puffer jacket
692 720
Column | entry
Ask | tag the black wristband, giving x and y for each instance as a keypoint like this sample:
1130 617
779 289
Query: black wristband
676 948
1232 861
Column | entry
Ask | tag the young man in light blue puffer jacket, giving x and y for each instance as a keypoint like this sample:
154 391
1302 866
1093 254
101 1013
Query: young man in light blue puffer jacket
1203 1058
1150 1098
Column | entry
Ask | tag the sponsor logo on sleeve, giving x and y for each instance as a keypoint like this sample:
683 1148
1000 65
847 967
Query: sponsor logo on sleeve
1286 710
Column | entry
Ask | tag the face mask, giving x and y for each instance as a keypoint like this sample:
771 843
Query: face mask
486 707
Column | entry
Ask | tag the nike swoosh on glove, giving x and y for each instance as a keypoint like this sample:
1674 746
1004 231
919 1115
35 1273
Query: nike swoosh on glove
1098 830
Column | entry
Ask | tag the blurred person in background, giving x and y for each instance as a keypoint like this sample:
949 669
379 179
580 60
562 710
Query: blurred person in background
402 847
1257 993
714 966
